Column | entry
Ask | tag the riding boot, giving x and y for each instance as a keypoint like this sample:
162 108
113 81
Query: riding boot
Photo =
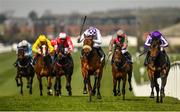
34 60
128 56
146 58
100 53
70 58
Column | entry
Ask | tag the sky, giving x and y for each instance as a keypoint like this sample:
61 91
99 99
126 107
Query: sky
21 8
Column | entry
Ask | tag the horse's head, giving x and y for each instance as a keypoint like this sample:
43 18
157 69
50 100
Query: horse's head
117 57
87 45
44 50
21 53
61 52
155 47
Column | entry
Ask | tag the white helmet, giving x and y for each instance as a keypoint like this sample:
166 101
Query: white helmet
62 35
19 44
24 43
120 32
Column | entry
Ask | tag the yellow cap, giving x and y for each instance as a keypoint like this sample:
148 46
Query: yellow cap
42 38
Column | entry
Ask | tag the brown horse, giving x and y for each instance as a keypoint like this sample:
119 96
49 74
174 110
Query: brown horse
158 67
43 68
91 65
63 66
24 69
120 69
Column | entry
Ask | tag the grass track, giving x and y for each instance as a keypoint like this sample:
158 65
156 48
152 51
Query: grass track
10 98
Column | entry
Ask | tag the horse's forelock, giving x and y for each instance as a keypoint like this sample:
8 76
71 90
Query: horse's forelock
87 47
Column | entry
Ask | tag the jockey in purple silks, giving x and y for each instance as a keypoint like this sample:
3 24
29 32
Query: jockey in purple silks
155 34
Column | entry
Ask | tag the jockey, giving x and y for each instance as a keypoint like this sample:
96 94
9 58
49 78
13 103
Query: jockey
26 46
119 37
39 42
164 43
97 38
64 40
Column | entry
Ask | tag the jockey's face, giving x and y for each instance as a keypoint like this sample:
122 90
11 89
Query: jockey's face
120 36
42 42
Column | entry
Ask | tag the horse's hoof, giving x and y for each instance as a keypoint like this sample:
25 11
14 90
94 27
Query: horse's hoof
18 85
130 89
70 93
84 92
152 95
93 93
119 94
30 92
99 97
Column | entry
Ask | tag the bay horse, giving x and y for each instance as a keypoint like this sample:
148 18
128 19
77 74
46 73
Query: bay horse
91 65
121 68
158 67
43 68
63 66
24 69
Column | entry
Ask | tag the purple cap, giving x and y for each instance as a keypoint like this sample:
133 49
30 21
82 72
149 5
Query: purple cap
156 34
92 31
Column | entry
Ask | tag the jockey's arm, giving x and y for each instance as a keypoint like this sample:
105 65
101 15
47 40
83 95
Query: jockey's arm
125 44
111 45
35 47
148 41
99 37
71 47
81 38
51 49
164 42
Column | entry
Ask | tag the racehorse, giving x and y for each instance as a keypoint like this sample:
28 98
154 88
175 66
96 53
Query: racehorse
63 66
91 65
158 67
120 69
24 69
43 68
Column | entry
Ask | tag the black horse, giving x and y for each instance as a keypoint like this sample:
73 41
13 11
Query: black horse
63 65
158 67
24 69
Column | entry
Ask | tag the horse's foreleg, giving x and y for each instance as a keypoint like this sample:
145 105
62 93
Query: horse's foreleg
98 87
57 86
49 85
114 86
40 85
118 91
129 80
89 87
123 88
157 89
152 87
95 84
85 88
21 86
68 84
30 84
17 80
163 84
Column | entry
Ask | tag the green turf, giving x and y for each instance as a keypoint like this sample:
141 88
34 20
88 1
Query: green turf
10 98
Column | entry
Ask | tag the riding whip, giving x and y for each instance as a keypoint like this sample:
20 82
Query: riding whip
82 26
